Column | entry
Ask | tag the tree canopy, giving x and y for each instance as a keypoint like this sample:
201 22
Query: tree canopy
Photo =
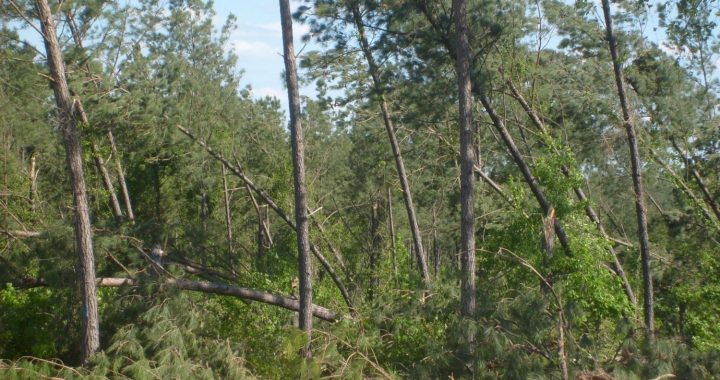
475 189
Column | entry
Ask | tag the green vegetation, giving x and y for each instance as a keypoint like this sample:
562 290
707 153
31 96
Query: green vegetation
216 208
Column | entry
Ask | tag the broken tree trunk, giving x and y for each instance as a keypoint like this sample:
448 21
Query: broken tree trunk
525 170
375 248
391 228
121 178
33 174
689 165
579 193
684 188
228 216
100 165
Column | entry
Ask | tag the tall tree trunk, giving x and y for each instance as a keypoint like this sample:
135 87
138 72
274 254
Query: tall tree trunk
379 90
531 181
467 162
73 155
640 209
296 137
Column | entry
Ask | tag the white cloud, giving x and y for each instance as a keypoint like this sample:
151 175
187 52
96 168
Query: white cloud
269 91
253 49
269 27
670 50
268 30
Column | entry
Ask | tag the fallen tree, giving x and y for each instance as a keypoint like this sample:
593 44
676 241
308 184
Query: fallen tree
202 287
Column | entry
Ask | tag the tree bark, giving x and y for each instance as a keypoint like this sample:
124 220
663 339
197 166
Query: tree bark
296 138
379 90
640 208
467 162
73 154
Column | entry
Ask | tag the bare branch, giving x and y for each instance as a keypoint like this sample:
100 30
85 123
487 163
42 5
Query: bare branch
202 287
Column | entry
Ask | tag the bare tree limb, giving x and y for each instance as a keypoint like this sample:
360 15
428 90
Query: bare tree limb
270 202
20 234
202 287
373 70
698 180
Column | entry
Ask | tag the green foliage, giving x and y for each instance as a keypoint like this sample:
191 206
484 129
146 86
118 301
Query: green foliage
26 329
171 340
148 66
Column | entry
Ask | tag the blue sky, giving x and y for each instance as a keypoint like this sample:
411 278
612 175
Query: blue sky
257 41
258 44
